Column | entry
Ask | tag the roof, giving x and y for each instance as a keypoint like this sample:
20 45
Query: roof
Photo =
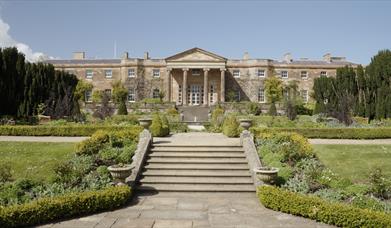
196 49
315 62
84 61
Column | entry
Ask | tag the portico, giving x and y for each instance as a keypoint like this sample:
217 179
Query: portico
196 77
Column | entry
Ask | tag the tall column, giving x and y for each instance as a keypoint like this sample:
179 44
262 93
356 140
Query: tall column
169 84
184 87
222 85
206 86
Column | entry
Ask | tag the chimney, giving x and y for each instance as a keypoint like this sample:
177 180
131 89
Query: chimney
327 57
288 58
125 55
79 55
246 56
146 55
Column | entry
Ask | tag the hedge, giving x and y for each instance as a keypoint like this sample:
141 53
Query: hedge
333 133
48 209
86 130
315 208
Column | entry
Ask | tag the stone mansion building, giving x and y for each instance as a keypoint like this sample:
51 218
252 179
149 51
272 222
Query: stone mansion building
196 76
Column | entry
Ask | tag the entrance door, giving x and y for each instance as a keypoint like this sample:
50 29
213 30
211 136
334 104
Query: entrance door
195 94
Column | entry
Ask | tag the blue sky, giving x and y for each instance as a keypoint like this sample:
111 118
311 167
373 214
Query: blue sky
266 29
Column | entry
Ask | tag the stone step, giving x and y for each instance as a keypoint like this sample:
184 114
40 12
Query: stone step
196 180
197 149
198 173
197 160
169 166
197 154
198 187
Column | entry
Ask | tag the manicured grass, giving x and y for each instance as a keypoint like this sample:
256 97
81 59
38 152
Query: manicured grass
34 160
355 162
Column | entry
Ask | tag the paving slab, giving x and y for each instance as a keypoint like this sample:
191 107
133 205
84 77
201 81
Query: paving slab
193 210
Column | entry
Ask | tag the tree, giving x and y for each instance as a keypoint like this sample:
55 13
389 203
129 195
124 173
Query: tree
291 100
104 110
119 97
23 86
273 88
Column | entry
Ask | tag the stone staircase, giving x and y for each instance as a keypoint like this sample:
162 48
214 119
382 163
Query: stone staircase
196 168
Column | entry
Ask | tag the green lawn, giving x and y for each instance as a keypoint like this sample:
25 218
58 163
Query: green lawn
34 160
355 161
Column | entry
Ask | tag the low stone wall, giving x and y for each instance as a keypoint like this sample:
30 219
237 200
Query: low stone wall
247 141
242 107
144 143
136 106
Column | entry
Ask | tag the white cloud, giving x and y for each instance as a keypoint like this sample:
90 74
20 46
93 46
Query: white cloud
7 41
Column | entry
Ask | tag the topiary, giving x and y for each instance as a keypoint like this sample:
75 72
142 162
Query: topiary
231 126
159 126
217 119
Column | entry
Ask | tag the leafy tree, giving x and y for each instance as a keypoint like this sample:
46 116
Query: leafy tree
104 110
292 100
119 97
273 87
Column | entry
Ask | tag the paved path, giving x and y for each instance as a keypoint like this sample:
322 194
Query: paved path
41 139
191 137
191 210
197 138
351 141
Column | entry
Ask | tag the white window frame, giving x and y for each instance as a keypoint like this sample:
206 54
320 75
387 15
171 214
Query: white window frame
282 74
156 73
236 73
131 72
131 95
261 75
261 95
88 96
237 95
180 94
305 98
306 74
89 74
156 93
110 75
323 71
109 92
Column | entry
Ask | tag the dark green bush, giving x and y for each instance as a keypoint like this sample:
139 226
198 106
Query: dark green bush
5 172
320 210
231 126
333 133
61 207
82 130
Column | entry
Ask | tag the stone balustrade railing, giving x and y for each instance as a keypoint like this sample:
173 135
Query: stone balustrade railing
247 141
144 143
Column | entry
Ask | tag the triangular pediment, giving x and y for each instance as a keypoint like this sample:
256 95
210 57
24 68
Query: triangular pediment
195 55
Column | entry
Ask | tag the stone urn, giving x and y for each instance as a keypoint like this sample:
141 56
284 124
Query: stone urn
145 122
245 123
267 175
120 171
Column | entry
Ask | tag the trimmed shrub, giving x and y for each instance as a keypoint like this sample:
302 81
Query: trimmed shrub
320 210
61 207
82 130
231 126
333 133
159 126
217 119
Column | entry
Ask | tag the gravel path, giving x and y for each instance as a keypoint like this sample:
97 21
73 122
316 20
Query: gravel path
351 141
191 138
41 139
